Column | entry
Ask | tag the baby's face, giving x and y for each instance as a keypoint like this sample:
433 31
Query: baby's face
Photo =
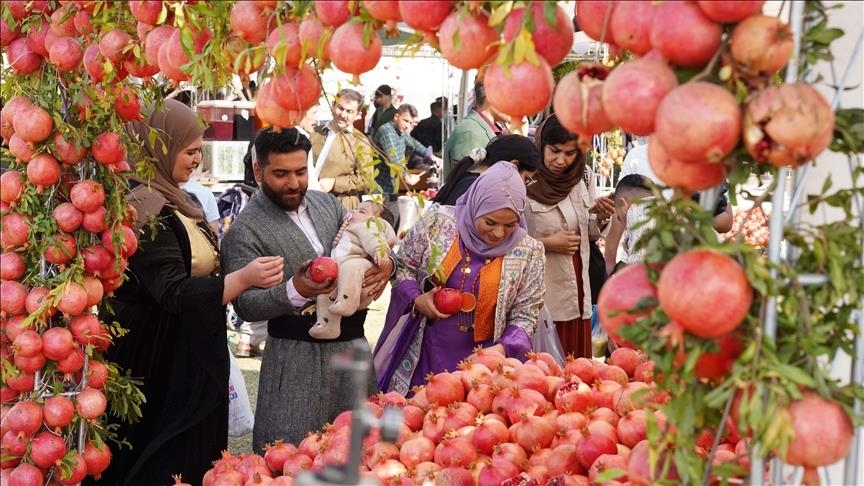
365 210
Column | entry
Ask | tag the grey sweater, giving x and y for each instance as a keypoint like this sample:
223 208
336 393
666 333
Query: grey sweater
264 229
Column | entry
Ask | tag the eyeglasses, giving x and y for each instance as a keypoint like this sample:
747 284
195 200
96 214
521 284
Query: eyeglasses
530 181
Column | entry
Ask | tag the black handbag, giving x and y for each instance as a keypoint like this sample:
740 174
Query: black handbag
596 269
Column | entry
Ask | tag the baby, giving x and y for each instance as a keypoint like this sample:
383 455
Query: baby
366 236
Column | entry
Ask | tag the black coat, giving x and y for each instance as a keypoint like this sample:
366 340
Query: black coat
176 344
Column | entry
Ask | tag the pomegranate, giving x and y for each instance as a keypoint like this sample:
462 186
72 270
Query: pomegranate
350 53
334 13
36 38
16 229
249 21
43 171
730 11
716 364
57 343
517 104
47 449
633 91
627 296
97 458
83 25
387 10
97 374
61 249
312 37
683 34
688 176
627 359
466 39
84 328
73 300
68 152
578 101
761 45
125 236
297 89
108 149
277 453
32 123
90 403
284 45
170 69
113 45
698 122
705 291
93 63
58 411
323 268
96 259
66 54
39 303
22 58
177 55
630 24
8 33
62 21
444 389
11 186
425 15
126 105
823 432
155 39
12 266
146 11
788 125
95 221
448 301
25 417
552 42
268 109
7 114
87 195
26 475
21 149
593 18
76 473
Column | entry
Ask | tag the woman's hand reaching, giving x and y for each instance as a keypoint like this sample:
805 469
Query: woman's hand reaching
425 304
264 272
563 241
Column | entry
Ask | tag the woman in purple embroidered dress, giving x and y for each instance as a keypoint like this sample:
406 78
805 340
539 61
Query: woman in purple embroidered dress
480 248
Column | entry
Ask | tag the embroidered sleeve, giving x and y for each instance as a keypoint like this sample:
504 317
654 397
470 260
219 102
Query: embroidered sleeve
525 309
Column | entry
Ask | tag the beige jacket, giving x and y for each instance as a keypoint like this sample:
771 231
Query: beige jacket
571 213
349 162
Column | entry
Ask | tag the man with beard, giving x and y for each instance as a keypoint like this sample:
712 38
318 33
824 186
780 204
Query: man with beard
384 109
342 156
298 391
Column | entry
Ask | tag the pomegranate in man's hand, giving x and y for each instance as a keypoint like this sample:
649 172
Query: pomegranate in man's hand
323 268
448 301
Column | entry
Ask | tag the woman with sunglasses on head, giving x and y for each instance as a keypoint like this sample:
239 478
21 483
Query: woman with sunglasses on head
565 214
481 250
518 150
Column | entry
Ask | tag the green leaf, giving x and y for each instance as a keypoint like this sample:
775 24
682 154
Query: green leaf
795 375
609 475
500 13
825 36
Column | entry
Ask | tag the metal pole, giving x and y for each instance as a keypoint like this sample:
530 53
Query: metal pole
850 474
769 324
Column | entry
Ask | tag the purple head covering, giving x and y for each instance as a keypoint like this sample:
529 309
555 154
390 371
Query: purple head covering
498 187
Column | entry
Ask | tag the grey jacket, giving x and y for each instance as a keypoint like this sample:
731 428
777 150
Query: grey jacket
264 229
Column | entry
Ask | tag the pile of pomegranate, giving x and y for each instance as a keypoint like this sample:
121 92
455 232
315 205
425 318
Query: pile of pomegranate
497 421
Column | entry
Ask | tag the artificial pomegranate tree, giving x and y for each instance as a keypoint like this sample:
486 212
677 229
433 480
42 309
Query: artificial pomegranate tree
697 304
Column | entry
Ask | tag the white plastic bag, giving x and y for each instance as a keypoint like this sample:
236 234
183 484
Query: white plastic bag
545 339
240 416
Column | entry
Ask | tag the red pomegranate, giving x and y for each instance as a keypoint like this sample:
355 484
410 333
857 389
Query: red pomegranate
146 11
249 21
32 123
552 42
284 44
68 217
349 52
466 39
730 11
683 34
43 171
386 10
108 148
297 89
425 15
448 301
823 432
270 111
690 176
698 122
7 114
630 24
87 195
578 101
761 45
154 41
138 67
323 268
11 186
113 44
16 228
61 249
312 37
333 13
68 152
705 291
177 56
173 71
22 58
97 458
12 266
83 25
593 18
788 125
93 63
36 38
715 364
8 33
633 91
66 54
621 295
518 103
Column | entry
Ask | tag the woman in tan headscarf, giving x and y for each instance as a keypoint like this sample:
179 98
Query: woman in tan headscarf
173 304
564 214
